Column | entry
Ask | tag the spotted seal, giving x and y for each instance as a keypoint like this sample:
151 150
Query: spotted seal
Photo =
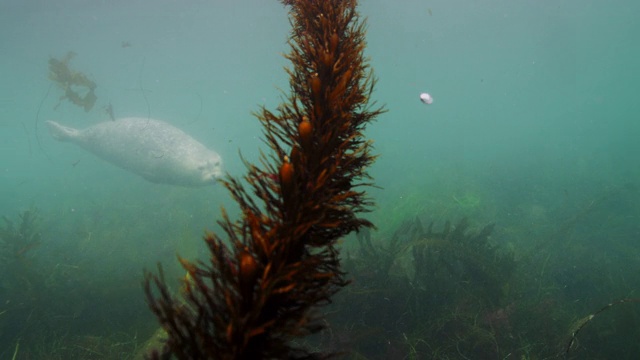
153 149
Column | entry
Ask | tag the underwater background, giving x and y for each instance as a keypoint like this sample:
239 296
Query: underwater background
534 128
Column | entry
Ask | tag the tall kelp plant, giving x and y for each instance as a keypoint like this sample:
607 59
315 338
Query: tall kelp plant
258 290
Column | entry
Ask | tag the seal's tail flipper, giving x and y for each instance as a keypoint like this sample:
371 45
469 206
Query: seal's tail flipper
60 132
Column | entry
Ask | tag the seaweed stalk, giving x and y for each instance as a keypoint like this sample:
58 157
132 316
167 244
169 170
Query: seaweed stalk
254 296
580 324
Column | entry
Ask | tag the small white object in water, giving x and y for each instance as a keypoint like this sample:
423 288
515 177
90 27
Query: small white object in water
426 98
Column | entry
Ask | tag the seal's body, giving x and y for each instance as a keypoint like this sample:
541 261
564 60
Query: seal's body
153 149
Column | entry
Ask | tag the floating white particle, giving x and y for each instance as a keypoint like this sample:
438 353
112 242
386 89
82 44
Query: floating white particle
426 98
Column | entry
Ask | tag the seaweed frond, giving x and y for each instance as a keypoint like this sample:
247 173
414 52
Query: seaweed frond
256 295
73 83
17 241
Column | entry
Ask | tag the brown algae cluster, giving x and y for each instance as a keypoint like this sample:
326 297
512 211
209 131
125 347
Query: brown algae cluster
77 87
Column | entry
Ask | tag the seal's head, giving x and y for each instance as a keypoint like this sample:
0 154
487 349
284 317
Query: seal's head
210 169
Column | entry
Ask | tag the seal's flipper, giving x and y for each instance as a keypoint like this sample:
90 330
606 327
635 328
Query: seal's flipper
60 132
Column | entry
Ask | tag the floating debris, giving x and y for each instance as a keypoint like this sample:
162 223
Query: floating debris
72 82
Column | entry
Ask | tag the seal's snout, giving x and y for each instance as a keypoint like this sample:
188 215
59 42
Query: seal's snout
212 171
